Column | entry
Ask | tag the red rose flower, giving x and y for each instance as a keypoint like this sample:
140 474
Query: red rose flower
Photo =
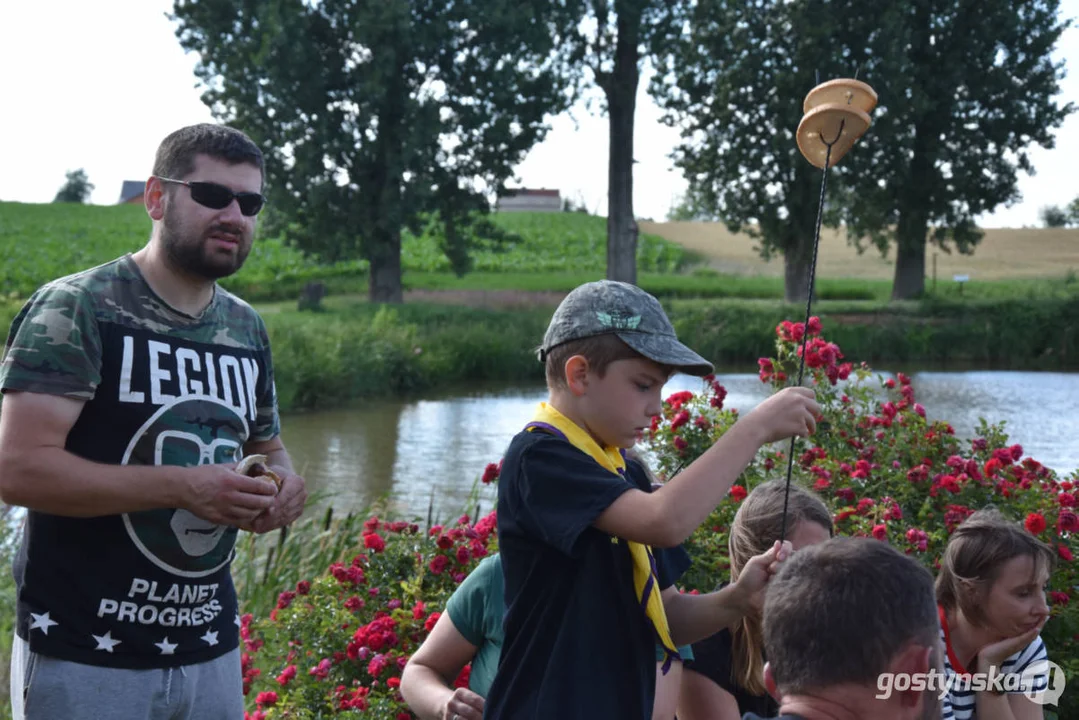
266 698
1067 521
286 675
680 419
1035 523
374 541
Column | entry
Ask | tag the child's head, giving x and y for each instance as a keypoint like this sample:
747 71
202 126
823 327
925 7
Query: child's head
995 573
610 347
757 525
759 521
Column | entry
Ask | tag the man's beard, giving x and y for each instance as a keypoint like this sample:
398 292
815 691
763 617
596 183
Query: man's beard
188 253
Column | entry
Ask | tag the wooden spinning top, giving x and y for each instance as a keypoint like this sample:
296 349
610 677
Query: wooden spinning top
836 114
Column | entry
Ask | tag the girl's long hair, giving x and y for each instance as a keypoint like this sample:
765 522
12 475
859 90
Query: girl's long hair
757 525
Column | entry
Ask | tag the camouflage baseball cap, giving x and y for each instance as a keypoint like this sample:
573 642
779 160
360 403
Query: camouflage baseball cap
624 310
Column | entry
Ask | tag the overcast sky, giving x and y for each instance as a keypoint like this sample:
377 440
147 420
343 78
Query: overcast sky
98 84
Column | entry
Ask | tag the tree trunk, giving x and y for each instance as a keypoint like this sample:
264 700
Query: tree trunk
909 281
620 88
384 282
796 233
913 224
797 258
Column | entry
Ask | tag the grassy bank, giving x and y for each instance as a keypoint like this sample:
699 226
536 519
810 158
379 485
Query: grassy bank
353 349
356 350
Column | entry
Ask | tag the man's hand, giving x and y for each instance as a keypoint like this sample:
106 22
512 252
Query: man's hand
753 580
287 506
221 495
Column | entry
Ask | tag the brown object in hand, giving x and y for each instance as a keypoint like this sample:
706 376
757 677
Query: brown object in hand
256 466
836 114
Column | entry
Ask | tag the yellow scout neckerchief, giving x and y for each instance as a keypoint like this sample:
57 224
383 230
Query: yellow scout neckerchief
644 563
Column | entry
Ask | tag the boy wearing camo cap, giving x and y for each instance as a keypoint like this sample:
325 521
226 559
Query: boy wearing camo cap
587 598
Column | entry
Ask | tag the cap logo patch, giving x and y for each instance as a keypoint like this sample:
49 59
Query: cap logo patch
617 321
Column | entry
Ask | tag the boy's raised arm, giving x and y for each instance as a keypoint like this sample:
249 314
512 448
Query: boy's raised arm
668 516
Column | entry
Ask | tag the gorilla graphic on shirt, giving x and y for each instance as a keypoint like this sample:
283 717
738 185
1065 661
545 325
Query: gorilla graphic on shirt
190 431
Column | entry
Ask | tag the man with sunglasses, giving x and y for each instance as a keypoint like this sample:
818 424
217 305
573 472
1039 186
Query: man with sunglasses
131 391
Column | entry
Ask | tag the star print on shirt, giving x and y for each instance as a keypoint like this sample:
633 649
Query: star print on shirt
210 637
237 620
167 648
42 622
105 642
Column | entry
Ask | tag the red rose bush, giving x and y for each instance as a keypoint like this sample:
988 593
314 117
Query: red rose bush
335 645
882 467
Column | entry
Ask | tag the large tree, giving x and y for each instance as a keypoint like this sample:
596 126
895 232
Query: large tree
76 189
378 114
734 82
966 87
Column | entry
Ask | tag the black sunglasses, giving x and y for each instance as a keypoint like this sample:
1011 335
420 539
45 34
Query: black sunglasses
218 197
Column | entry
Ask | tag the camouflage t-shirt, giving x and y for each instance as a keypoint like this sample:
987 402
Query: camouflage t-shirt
144 589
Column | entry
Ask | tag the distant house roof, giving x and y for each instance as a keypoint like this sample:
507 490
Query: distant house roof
543 192
530 200
131 189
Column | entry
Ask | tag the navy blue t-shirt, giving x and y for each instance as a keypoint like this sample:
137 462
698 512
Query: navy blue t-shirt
578 644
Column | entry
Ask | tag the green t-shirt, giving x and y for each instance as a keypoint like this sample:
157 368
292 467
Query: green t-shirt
476 609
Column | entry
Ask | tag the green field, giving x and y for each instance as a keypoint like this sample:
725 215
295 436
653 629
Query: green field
42 242
537 253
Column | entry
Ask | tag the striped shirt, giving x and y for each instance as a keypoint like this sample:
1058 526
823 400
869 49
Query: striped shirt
1029 666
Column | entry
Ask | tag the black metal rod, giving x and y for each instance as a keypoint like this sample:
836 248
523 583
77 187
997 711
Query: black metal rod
809 309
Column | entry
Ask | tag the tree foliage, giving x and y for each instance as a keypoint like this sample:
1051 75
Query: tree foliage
965 89
76 189
734 82
1054 216
378 115
689 208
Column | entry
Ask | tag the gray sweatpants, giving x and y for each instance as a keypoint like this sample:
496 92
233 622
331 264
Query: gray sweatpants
44 688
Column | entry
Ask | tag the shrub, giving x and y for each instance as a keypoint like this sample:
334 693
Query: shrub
337 644
884 470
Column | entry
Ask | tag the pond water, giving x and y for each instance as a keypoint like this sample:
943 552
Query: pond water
417 452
